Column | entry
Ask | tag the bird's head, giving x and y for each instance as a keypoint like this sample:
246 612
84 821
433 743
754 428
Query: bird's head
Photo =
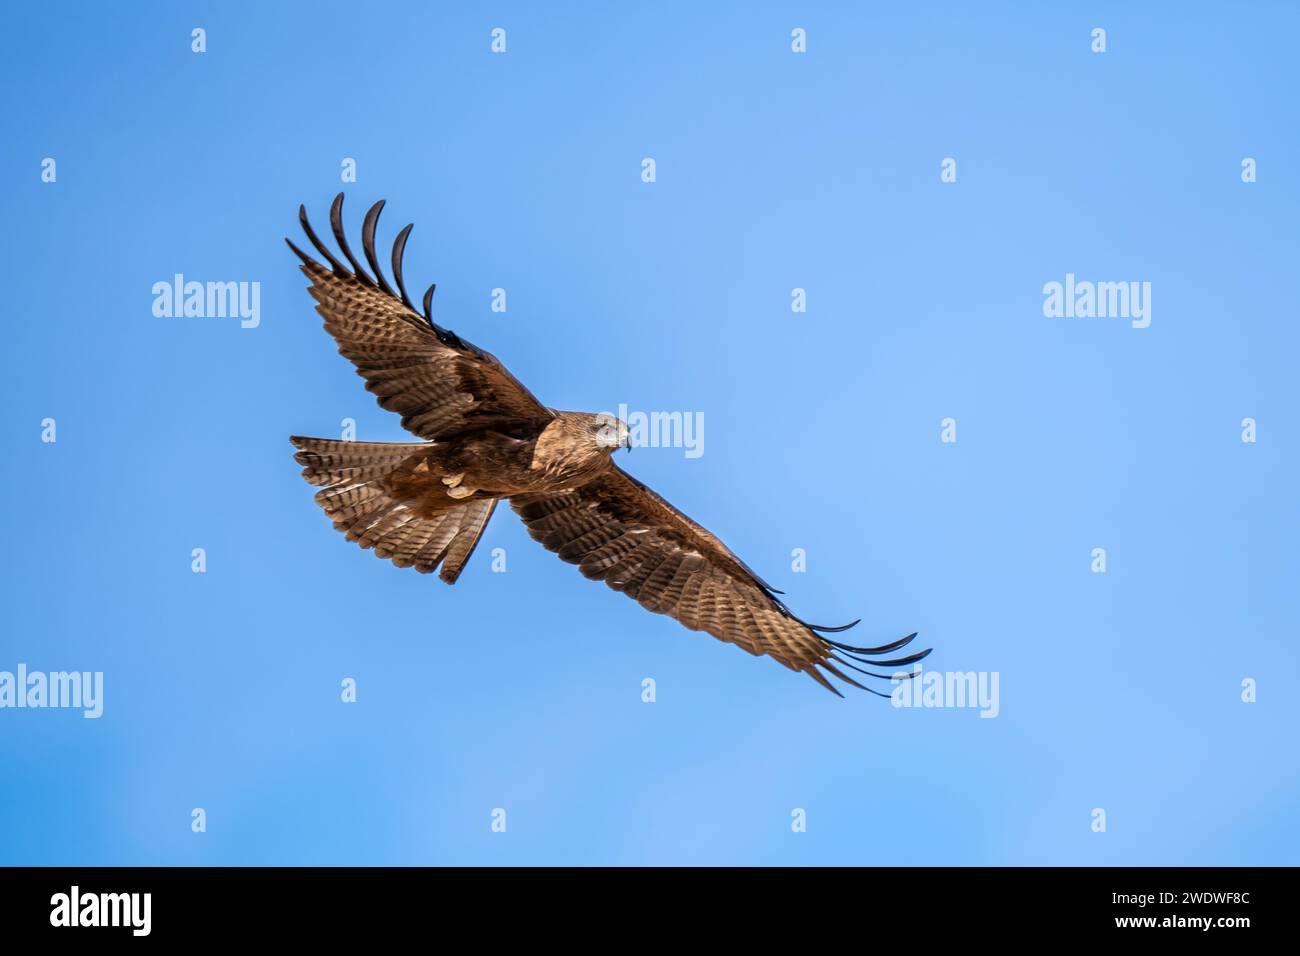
609 433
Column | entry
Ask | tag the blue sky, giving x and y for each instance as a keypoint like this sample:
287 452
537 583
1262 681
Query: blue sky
1119 691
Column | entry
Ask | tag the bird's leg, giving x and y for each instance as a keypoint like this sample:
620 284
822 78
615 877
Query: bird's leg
454 487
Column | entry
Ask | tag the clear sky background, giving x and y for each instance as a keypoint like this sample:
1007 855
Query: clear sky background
522 690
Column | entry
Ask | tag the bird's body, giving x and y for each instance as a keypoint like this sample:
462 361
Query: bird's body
552 457
487 439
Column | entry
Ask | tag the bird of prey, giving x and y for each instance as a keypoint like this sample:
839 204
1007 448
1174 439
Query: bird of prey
485 438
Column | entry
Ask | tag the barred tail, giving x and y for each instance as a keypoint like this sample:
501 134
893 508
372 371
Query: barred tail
355 498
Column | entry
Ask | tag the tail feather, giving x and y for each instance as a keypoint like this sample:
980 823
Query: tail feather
356 498
329 462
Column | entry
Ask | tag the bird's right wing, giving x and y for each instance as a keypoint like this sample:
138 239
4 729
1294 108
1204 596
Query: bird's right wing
440 384
621 532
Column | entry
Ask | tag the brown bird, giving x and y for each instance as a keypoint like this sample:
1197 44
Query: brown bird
425 504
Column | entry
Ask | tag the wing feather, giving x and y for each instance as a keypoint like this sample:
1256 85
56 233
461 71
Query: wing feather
441 384
619 531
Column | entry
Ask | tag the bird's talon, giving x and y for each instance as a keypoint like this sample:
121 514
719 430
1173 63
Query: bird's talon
460 491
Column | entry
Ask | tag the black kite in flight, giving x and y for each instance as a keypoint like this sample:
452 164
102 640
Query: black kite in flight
486 438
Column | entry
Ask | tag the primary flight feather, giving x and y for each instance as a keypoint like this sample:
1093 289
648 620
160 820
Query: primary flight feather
487 438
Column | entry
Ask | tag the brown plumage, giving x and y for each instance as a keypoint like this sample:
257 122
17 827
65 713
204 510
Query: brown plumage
425 504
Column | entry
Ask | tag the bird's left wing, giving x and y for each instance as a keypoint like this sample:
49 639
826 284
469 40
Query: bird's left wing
621 532
441 384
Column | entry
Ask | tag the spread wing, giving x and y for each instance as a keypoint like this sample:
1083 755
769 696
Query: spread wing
617 530
439 383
